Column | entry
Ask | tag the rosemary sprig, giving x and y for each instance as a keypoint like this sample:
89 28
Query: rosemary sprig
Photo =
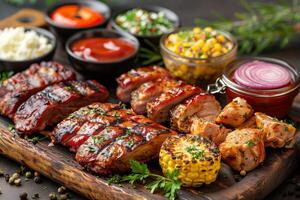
262 26
140 172
150 54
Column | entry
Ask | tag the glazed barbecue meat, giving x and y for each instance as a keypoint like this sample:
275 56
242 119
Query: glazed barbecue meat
277 133
243 149
159 109
56 102
17 89
235 113
136 138
149 91
106 137
90 120
131 80
199 107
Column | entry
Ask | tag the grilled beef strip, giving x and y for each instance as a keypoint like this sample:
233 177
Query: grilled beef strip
17 89
131 80
55 102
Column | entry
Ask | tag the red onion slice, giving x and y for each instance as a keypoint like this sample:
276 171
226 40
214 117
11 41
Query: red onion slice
262 75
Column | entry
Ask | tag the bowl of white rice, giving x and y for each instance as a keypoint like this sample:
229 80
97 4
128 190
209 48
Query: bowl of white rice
20 47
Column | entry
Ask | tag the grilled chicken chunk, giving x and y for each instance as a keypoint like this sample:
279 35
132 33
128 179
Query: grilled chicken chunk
149 91
199 107
134 78
56 102
17 89
214 132
159 109
250 123
243 149
277 133
235 113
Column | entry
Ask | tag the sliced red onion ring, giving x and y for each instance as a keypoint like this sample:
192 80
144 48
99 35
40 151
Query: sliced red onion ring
262 75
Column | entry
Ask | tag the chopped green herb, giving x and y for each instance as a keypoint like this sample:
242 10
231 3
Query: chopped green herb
195 152
98 139
92 149
11 127
250 143
5 75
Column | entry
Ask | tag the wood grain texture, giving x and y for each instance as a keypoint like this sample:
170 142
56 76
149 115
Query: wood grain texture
26 17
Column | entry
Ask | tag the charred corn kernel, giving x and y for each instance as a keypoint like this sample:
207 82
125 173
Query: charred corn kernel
208 29
196 158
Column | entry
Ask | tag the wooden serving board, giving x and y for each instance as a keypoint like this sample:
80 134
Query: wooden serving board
58 164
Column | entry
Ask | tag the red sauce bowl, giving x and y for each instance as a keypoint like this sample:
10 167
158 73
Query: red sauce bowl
274 102
64 30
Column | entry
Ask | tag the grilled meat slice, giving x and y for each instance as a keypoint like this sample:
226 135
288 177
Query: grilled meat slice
17 89
235 113
68 128
203 106
158 110
149 91
243 149
111 151
131 80
277 133
250 123
94 126
56 102
214 132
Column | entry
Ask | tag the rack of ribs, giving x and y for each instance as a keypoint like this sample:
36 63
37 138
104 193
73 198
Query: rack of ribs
17 89
118 135
55 102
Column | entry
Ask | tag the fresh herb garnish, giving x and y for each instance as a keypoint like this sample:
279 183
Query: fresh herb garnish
5 75
140 172
262 25
195 152
98 139
250 143
150 54
11 127
36 139
92 149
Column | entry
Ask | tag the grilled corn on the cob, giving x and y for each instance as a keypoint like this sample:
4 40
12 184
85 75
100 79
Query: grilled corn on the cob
197 159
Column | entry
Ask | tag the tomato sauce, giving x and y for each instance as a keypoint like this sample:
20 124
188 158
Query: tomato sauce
77 16
103 49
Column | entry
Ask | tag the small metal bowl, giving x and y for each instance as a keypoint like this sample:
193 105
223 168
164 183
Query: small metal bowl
170 15
101 69
20 65
64 31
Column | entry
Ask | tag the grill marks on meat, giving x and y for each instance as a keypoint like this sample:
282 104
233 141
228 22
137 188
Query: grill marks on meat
134 78
109 146
149 91
21 86
159 109
55 102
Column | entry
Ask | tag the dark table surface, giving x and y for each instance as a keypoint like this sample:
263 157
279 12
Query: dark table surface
188 10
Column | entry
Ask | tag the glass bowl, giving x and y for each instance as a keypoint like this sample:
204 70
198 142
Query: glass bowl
197 71
274 102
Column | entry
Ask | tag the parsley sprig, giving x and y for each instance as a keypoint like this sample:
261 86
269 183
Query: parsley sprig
140 173
5 75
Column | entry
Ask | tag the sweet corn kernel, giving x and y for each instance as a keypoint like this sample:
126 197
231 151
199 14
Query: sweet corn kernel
216 53
205 48
197 30
221 38
217 47
208 29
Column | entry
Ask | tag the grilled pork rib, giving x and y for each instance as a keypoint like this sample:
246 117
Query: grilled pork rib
149 91
158 110
106 137
55 102
130 81
17 89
